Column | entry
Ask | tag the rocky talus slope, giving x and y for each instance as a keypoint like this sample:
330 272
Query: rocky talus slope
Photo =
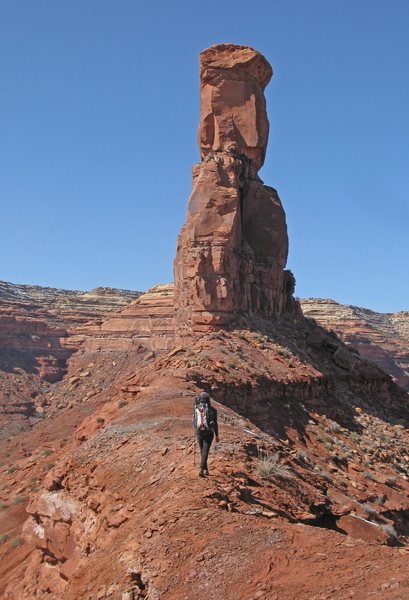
380 337
308 491
307 495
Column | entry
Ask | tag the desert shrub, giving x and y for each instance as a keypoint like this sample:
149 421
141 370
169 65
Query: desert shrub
3 505
391 481
241 336
269 464
122 403
335 427
3 538
12 469
326 475
283 352
370 511
355 437
301 457
48 466
368 475
19 500
100 420
17 542
320 471
48 452
390 530
380 500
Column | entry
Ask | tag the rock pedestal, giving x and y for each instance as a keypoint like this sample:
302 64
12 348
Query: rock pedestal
232 251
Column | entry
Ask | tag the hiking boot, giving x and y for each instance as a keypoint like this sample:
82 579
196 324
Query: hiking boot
205 472
201 473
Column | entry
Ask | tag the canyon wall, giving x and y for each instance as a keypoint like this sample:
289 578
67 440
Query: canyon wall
380 337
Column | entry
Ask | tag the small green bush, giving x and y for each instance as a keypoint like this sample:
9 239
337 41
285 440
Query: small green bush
122 403
48 466
19 500
12 469
269 464
3 538
301 457
48 452
17 542
370 511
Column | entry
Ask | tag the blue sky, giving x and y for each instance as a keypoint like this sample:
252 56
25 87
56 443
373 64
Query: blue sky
99 104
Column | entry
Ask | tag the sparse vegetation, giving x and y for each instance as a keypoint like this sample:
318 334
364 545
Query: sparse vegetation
320 471
335 427
390 530
380 500
3 538
241 336
19 500
355 437
122 403
3 505
48 452
269 464
368 475
284 352
391 481
370 511
48 466
301 457
12 469
100 420
17 542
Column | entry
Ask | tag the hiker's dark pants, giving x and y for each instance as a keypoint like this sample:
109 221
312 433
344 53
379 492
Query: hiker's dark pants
205 441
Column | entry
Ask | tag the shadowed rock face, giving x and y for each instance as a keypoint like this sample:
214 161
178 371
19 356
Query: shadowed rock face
233 249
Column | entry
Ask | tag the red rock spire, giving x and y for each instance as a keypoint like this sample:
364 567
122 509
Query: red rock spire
232 251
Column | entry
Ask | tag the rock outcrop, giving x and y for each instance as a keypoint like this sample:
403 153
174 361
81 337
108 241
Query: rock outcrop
36 324
149 321
380 337
232 251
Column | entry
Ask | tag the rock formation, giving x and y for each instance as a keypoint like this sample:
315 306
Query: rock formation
380 337
232 251
36 324
149 320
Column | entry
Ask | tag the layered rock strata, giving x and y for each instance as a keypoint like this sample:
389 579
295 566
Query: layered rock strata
380 337
37 323
149 321
232 251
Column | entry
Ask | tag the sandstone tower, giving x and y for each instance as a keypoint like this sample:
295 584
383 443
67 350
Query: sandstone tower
232 251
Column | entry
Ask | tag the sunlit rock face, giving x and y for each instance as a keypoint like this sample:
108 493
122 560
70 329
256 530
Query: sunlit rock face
233 249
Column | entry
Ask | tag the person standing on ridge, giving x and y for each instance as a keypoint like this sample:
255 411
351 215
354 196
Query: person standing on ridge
206 427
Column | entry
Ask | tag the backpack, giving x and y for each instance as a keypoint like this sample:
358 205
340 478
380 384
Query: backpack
203 416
